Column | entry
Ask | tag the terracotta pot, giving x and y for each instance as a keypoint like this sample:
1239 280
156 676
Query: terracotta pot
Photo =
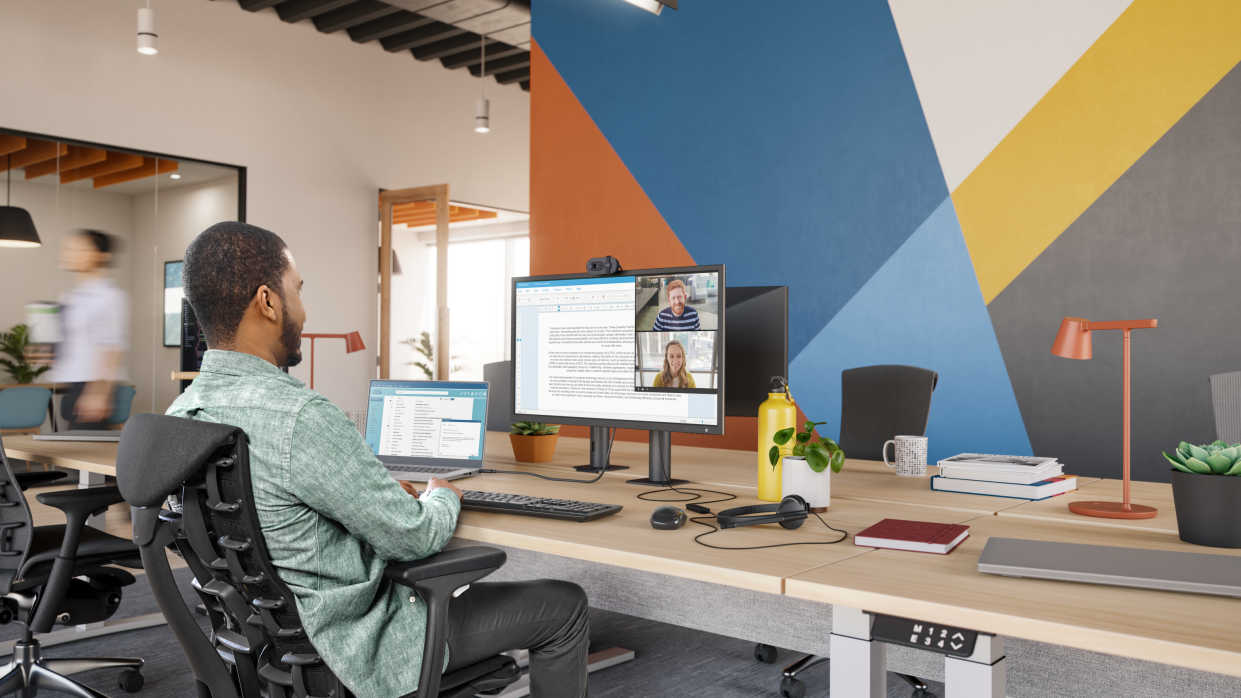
797 478
533 449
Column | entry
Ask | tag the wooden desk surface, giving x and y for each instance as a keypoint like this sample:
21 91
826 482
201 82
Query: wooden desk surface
91 456
1188 630
1153 494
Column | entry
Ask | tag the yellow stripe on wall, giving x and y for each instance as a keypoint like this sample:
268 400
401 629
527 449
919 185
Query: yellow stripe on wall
1146 71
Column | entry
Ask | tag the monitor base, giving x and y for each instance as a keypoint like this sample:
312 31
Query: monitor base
593 469
655 483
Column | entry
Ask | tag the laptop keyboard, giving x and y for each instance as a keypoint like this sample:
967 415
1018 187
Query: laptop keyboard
522 505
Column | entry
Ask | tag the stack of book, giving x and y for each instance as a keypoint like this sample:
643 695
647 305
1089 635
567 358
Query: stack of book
1020 477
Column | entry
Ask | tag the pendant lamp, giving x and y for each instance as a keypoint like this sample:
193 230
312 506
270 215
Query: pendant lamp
16 225
482 107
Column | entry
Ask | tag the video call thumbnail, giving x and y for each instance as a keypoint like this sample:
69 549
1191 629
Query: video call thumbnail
676 361
676 320
677 303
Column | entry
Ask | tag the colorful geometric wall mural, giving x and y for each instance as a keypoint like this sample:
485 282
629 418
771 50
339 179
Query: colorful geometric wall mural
937 183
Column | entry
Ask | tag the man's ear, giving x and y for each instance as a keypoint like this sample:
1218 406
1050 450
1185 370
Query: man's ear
268 303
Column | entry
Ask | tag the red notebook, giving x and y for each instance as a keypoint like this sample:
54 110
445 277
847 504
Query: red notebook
919 536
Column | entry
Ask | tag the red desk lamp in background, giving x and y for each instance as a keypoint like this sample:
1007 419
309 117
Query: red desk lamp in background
1073 342
353 342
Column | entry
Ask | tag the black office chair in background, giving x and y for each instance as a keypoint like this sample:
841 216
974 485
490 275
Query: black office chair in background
258 647
877 403
40 585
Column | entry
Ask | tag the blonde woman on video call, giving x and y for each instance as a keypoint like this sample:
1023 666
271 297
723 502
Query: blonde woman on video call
674 374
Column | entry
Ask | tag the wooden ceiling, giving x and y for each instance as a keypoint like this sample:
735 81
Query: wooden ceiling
74 163
423 213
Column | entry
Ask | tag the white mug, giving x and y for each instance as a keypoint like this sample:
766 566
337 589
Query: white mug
910 455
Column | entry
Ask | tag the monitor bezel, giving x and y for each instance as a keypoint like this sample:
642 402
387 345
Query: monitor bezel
462 463
714 430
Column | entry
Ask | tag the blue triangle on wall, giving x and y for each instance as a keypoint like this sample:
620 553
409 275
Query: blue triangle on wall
922 308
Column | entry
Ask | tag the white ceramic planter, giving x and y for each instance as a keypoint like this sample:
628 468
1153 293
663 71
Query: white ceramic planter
797 478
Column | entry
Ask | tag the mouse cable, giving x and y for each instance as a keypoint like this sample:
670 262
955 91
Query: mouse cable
559 479
699 520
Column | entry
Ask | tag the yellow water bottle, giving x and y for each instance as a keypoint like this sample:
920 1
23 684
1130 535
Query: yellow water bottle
777 412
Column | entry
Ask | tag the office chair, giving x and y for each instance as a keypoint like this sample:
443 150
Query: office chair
877 403
23 409
1226 399
41 581
122 403
257 647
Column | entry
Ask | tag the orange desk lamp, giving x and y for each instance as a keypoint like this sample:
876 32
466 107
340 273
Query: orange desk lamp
1073 342
353 342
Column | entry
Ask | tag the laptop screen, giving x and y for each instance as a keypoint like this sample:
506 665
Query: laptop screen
420 422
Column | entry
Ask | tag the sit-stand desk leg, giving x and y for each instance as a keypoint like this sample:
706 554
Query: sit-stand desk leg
859 664
600 451
660 464
85 481
981 675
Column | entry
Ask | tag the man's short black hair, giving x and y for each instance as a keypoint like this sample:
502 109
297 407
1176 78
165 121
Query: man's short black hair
224 267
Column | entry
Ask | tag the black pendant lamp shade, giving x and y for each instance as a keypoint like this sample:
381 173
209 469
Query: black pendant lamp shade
16 225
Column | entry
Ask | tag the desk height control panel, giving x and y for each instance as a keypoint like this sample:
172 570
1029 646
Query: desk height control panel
957 642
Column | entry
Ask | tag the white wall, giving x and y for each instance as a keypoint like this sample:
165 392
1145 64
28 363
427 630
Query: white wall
322 124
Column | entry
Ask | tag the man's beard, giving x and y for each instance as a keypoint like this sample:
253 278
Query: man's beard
291 338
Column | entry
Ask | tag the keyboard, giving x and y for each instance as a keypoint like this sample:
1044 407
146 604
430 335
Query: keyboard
567 509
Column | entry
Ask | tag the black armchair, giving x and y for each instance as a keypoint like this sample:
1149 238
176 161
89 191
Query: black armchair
258 647
41 585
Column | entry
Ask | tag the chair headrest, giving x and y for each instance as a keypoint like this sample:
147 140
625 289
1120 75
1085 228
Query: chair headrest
158 453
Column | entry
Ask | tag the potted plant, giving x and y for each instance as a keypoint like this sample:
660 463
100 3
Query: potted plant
1206 487
805 472
13 343
533 442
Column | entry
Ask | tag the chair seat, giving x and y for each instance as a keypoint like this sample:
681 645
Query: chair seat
96 548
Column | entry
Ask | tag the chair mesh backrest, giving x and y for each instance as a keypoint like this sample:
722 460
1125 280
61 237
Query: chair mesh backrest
253 614
880 402
23 407
15 525
1226 399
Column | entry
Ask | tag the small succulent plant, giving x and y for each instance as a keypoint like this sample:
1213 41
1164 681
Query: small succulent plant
534 428
1216 458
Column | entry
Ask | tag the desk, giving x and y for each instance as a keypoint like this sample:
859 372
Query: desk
1153 494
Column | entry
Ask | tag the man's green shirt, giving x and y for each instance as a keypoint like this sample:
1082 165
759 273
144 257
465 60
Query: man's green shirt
332 518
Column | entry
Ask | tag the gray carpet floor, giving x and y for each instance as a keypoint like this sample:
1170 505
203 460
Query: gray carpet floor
671 662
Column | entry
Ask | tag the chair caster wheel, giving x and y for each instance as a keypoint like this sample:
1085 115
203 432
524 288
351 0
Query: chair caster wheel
130 681
765 653
792 688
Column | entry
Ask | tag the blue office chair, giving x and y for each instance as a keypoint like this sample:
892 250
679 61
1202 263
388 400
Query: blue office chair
122 403
22 410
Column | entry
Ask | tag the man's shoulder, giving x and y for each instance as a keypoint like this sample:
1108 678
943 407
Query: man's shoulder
689 312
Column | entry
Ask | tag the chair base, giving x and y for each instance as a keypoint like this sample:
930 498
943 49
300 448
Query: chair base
29 670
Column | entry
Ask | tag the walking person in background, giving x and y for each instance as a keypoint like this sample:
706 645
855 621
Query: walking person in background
95 318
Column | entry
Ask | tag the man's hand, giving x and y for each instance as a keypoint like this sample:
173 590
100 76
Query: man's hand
408 486
436 482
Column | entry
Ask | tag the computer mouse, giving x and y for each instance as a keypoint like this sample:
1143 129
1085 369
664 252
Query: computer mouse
667 518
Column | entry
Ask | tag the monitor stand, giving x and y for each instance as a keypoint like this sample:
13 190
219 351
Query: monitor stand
660 466
599 453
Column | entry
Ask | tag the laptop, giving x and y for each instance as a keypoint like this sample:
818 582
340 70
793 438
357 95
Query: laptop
1195 573
81 435
425 429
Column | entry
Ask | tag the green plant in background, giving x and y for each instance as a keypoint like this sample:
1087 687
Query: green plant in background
1216 458
422 346
819 454
534 428
13 343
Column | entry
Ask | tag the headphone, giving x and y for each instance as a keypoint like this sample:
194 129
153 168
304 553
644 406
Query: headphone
789 513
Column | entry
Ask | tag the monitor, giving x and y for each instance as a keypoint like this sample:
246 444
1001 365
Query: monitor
638 349
757 345
426 422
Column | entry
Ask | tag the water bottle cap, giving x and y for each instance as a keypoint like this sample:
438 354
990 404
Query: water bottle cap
778 384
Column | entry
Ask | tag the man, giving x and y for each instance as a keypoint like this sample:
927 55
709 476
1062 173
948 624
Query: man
332 517
676 317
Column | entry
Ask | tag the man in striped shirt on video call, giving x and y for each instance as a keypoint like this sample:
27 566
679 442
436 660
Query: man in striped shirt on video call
676 317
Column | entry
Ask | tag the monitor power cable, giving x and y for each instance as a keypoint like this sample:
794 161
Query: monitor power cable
559 479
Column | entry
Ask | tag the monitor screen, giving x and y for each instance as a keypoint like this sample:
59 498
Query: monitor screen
409 422
640 349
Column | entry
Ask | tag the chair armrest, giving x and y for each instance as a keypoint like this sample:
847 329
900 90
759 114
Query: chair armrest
36 478
82 502
450 562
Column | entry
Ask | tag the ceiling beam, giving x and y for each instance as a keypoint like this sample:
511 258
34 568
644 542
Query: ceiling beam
115 162
447 45
394 23
11 144
513 76
38 151
296 10
77 157
471 56
353 15
502 65
256 5
431 33
149 168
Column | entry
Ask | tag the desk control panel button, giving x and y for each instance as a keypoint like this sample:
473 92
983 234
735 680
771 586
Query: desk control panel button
944 639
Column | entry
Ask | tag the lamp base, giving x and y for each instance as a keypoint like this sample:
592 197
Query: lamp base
1113 510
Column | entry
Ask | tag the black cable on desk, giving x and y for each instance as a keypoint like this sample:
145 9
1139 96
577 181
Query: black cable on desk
560 479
